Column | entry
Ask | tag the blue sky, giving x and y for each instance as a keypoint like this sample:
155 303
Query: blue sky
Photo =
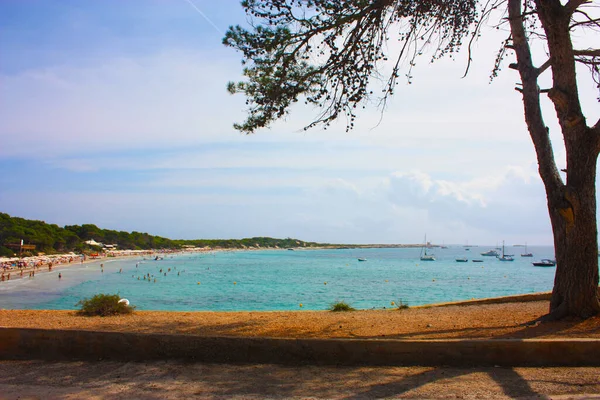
116 113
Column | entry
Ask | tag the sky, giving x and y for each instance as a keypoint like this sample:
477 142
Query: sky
116 113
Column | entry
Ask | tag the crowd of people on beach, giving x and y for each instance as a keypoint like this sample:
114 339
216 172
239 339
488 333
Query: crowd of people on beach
28 266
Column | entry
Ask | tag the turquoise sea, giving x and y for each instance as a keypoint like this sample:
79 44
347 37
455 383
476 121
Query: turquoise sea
283 279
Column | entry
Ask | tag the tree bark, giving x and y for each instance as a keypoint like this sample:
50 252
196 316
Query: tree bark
572 206
575 291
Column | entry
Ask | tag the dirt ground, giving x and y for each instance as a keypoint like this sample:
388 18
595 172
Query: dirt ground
172 380
467 320
176 380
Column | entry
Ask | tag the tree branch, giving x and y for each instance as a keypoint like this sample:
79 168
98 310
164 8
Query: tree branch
531 100
587 53
540 70
572 5
590 21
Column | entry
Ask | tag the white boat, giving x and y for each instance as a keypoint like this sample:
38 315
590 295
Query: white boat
490 253
362 259
505 257
424 256
462 259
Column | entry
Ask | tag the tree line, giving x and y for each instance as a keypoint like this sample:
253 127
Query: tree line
51 239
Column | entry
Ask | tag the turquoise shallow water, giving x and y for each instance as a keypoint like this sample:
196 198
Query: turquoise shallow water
281 280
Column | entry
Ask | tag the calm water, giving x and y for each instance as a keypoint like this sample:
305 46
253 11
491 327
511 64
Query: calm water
282 280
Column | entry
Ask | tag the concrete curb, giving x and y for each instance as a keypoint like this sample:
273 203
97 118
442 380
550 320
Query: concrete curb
16 343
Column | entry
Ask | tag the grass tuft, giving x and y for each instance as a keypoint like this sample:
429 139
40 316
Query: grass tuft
400 305
341 306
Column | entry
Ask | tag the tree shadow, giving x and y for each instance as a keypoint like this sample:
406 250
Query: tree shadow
511 382
157 380
443 334
568 327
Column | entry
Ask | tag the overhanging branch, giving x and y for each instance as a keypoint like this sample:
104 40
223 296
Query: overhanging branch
587 53
572 5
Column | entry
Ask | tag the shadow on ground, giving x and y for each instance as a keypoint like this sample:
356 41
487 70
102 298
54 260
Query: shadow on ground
159 380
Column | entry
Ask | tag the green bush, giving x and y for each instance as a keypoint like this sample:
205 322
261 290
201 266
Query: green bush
104 305
341 306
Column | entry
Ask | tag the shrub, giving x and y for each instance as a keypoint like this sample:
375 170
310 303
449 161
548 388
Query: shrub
341 306
104 305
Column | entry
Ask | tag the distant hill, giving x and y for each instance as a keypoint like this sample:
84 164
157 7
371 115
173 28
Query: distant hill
51 238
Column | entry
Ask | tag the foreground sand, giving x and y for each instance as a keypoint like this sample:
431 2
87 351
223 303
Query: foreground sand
176 380
467 320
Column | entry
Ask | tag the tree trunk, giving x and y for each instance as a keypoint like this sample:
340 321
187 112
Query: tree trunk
572 206
574 225
575 291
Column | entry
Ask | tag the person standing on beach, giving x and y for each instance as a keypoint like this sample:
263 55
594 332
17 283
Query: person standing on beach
59 276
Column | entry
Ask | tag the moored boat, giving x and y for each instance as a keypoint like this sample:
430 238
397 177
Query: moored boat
526 254
505 257
490 253
424 256
544 263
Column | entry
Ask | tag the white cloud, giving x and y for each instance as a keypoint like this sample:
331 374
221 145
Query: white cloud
511 203
146 102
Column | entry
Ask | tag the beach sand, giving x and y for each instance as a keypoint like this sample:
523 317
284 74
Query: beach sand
183 380
461 320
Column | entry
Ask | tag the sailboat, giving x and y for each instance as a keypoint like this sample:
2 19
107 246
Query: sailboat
526 254
424 255
505 257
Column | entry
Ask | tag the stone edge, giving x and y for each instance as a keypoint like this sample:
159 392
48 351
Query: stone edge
19 343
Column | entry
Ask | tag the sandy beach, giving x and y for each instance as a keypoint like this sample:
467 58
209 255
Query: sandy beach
182 380
462 320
